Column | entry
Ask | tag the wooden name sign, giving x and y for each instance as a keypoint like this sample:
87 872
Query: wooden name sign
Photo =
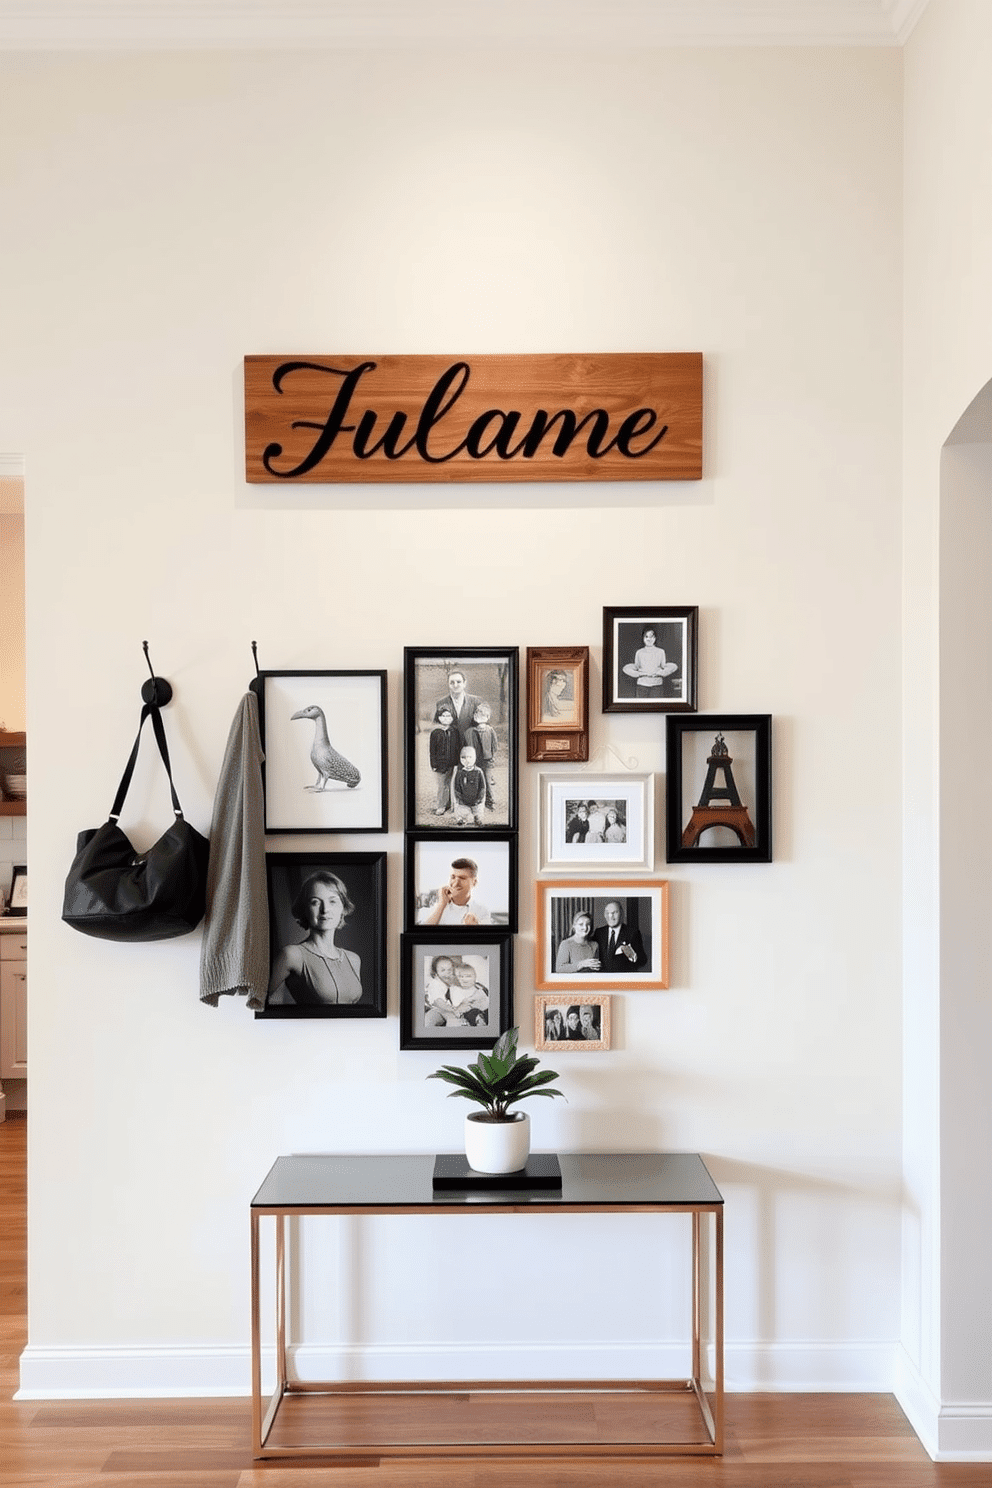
608 417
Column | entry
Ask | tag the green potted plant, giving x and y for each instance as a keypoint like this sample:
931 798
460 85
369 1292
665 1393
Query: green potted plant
497 1140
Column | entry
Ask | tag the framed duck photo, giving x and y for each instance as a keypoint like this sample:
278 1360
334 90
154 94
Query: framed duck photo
649 659
461 738
719 803
327 935
324 741
558 703
455 993
607 934
596 823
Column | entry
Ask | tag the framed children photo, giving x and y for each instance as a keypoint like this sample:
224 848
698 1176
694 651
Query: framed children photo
455 993
461 881
592 823
324 741
606 934
327 935
461 738
649 659
719 804
568 1023
558 703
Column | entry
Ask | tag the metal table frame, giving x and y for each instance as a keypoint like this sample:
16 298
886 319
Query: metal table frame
275 1199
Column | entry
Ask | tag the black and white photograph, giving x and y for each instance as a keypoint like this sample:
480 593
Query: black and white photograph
327 935
719 770
558 703
461 738
461 881
455 992
649 659
565 1024
594 823
609 933
324 741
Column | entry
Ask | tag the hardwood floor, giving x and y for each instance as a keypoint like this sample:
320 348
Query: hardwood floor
773 1441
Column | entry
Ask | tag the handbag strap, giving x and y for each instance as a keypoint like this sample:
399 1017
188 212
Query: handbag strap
163 749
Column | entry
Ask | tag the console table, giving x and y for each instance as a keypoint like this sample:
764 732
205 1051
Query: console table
469 1417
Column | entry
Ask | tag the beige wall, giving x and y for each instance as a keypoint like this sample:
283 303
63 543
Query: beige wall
11 621
170 214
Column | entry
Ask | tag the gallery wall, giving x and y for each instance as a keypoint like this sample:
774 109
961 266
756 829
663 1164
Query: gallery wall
169 214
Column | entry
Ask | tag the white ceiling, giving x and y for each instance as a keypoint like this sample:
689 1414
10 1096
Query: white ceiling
99 24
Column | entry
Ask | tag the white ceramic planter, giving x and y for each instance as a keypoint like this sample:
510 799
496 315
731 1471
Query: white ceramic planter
497 1146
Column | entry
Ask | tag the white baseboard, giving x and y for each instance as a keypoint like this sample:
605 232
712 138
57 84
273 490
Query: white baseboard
950 1432
95 1373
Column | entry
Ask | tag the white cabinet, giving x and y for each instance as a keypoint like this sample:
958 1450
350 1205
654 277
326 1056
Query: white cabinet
13 1003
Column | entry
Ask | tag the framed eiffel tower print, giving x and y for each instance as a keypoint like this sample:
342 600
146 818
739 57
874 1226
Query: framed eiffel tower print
719 805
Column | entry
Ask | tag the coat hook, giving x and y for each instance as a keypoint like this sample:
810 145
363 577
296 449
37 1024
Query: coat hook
255 685
157 692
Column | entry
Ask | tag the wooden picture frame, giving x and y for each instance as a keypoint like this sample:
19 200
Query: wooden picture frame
306 927
719 788
430 868
650 658
564 960
481 1003
324 741
558 703
596 823
488 680
572 1022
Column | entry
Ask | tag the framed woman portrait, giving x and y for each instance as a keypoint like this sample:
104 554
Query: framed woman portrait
568 1023
558 703
461 882
455 993
591 823
649 659
327 935
324 741
461 738
609 934
719 802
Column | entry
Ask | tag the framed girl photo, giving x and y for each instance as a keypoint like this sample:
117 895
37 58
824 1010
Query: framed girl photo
324 741
719 805
568 1024
649 659
558 703
461 882
609 934
455 993
327 935
461 738
591 823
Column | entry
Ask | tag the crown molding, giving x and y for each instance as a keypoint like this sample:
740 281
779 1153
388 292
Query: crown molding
102 25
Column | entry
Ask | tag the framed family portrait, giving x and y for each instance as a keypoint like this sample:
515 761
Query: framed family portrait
607 934
592 823
327 935
719 804
565 1024
649 659
324 741
461 882
461 738
455 993
558 703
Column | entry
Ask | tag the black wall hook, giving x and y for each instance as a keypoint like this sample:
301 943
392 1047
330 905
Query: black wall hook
157 691
255 685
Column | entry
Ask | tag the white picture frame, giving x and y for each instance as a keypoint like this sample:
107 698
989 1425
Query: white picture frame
625 802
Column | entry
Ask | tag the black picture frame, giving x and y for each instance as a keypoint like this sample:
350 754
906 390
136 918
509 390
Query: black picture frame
489 951
362 935
738 807
345 713
429 863
490 677
18 890
665 681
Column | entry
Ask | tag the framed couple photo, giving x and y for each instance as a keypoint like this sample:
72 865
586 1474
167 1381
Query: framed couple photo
649 659
461 738
593 823
608 934
456 991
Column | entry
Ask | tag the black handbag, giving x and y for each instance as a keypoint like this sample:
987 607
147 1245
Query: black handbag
116 893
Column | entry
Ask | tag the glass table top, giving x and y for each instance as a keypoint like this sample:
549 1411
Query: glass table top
609 1180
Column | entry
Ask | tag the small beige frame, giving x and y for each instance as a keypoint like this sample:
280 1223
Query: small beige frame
543 1005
